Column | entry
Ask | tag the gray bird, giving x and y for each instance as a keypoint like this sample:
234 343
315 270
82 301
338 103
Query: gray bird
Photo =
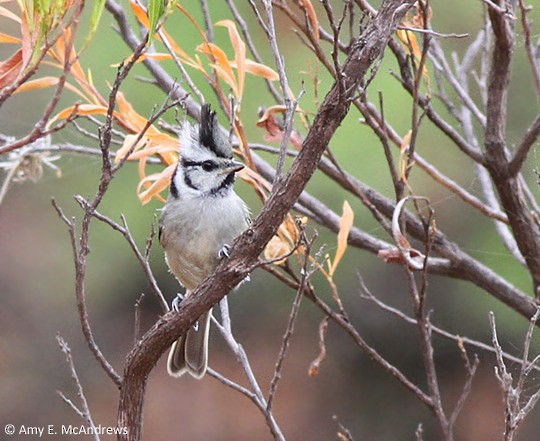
201 219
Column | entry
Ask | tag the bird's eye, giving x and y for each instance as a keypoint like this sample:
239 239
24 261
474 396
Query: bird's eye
208 166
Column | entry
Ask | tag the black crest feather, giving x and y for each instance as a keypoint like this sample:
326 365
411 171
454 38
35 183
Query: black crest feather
210 135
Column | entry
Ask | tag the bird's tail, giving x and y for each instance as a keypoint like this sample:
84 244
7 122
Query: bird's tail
190 352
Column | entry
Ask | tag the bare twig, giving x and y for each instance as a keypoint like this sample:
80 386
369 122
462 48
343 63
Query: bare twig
290 327
515 411
256 394
84 411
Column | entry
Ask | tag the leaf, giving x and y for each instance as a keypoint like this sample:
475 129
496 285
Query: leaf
140 13
40 83
261 70
10 69
156 183
130 118
156 9
310 11
345 225
221 64
5 38
81 109
129 144
274 131
409 43
403 155
239 53
4 12
275 248
97 12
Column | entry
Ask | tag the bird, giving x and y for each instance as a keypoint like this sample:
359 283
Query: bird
199 222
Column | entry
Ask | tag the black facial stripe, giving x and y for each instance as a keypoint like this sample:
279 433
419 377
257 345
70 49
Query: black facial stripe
173 189
189 182
207 165
227 182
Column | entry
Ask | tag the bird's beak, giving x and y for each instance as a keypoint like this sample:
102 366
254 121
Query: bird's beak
232 167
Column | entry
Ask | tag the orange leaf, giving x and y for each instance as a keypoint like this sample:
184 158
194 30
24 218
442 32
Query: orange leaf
239 53
5 38
345 225
140 13
276 248
40 83
410 43
155 56
156 183
129 117
129 144
221 63
310 11
82 109
10 69
261 70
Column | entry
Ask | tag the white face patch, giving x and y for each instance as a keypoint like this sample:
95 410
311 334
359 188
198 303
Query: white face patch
200 171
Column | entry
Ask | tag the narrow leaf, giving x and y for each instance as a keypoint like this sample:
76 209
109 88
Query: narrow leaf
155 184
312 16
261 70
97 12
239 53
10 69
5 38
345 225
4 12
155 13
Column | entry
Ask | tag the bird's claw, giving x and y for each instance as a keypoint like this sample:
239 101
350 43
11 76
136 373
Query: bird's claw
224 251
175 304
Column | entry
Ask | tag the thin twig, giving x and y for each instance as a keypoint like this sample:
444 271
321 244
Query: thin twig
290 327
84 411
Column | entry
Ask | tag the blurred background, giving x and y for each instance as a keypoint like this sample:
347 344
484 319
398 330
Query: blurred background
37 276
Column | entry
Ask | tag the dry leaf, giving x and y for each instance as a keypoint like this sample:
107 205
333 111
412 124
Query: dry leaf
261 70
5 38
275 249
274 130
10 69
315 364
310 11
221 64
155 184
239 53
345 225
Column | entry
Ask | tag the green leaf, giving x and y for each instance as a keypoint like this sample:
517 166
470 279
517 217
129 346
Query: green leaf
97 12
156 9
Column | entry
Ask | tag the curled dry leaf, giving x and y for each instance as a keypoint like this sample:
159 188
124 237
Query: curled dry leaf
276 248
315 364
404 253
284 241
274 129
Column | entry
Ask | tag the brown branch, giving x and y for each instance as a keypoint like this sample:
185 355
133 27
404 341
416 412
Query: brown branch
530 137
525 229
80 252
535 67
